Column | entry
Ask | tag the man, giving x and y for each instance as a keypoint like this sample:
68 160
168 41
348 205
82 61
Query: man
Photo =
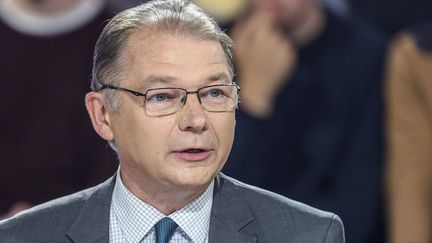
164 99
319 115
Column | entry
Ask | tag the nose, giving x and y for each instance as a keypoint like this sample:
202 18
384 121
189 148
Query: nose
192 116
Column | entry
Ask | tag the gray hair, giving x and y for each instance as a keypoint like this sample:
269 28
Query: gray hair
176 17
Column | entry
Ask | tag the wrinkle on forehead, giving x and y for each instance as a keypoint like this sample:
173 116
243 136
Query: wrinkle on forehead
162 48
144 41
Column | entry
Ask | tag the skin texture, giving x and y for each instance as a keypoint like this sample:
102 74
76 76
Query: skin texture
290 13
267 42
154 166
264 56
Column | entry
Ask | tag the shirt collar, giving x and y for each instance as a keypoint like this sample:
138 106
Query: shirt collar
137 218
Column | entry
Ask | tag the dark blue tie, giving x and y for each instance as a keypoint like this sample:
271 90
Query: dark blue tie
164 230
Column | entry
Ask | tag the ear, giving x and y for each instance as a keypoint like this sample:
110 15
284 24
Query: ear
99 116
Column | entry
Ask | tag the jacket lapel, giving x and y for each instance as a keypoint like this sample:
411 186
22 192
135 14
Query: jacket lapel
231 216
92 222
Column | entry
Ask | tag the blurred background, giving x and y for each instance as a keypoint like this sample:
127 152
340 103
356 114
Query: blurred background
336 105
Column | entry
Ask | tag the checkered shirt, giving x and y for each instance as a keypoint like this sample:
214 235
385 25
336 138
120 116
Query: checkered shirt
132 220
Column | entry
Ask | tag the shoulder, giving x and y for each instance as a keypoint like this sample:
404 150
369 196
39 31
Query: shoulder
55 217
295 220
259 200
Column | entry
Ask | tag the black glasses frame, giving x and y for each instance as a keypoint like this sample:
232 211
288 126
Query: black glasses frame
136 93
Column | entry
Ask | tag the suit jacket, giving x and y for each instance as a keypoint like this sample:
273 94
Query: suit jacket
240 213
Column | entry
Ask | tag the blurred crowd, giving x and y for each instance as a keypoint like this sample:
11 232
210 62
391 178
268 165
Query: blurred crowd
336 105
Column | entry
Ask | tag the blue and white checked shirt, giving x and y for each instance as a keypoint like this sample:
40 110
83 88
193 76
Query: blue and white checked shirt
132 220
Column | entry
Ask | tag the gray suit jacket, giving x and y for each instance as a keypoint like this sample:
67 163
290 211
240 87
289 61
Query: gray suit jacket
240 213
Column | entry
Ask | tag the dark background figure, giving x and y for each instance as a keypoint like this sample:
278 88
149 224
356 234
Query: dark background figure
310 119
45 67
392 15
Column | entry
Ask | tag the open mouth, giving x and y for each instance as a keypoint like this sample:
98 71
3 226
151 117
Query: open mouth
193 154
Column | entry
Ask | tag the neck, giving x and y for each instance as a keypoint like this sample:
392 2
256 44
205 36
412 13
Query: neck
311 27
166 199
46 7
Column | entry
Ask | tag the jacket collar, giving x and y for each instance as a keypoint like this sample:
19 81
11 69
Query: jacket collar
230 217
92 222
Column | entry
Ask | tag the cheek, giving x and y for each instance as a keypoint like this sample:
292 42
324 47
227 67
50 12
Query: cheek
150 143
158 130
224 129
146 136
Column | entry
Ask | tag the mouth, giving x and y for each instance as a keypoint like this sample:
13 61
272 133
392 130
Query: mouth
193 154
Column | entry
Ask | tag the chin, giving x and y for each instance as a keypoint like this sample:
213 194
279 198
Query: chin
194 178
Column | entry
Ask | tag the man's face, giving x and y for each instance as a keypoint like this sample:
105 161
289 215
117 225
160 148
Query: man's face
184 150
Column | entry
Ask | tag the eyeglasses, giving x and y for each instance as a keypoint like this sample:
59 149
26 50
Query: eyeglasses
167 101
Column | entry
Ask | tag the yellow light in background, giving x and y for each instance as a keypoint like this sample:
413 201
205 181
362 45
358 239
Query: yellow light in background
222 10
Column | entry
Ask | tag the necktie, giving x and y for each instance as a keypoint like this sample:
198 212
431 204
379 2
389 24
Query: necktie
164 230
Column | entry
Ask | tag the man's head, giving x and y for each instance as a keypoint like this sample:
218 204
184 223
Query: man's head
165 139
178 18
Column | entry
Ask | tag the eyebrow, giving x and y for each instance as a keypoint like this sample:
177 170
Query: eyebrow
219 76
153 79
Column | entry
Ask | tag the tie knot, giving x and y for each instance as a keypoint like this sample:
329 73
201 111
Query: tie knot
164 230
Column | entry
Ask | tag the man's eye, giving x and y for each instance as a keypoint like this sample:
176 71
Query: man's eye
158 97
215 93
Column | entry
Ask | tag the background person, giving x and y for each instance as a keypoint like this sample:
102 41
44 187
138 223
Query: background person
47 146
409 122
311 92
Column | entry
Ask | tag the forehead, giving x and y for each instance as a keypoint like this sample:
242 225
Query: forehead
178 56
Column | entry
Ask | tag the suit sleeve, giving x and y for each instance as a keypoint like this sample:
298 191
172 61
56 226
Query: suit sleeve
335 232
